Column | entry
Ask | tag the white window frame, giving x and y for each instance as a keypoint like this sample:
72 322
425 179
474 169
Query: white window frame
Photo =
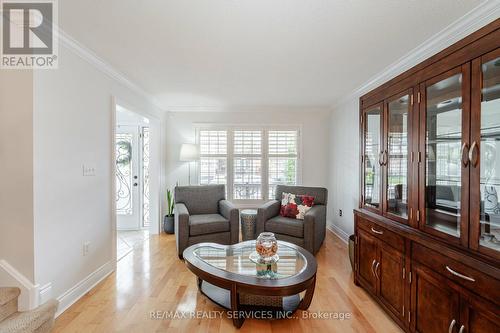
197 166
249 156
230 128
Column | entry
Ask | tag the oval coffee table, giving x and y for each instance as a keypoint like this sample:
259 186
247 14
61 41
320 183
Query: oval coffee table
229 278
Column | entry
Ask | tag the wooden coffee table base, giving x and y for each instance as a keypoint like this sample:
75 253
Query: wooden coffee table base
243 292
229 300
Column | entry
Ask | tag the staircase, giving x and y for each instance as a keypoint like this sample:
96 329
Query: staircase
39 320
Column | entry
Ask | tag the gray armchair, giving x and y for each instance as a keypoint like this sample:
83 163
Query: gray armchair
203 215
308 233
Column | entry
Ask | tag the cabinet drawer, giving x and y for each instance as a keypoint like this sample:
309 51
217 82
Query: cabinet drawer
391 238
478 282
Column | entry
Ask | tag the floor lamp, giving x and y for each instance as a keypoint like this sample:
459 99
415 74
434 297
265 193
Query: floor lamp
189 153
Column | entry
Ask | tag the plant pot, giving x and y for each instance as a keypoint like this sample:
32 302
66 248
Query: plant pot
168 224
351 250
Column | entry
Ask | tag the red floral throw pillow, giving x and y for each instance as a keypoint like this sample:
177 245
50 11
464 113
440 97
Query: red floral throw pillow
295 205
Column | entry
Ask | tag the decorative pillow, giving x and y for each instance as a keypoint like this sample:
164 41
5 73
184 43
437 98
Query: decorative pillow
295 205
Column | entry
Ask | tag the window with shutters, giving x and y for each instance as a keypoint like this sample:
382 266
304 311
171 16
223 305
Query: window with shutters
247 165
213 157
282 158
250 161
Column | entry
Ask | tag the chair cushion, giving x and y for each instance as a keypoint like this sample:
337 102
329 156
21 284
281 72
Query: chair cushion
295 205
320 194
285 226
207 224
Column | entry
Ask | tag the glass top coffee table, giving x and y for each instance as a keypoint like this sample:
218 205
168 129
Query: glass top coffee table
228 276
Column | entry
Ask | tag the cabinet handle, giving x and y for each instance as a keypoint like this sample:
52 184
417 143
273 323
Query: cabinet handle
373 264
464 152
461 330
473 154
377 232
465 277
376 270
452 324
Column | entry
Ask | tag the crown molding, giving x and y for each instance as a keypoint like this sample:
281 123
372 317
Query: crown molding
92 58
477 18
246 109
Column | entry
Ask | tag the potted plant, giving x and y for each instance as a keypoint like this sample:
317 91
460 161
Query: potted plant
168 221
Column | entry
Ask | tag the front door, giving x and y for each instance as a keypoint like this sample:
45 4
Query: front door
128 201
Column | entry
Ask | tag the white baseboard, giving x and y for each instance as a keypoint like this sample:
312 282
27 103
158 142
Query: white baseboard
74 294
45 293
11 277
338 232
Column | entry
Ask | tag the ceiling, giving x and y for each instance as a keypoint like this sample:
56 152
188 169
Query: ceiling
230 54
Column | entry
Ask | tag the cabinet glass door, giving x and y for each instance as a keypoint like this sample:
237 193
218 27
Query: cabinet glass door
484 155
372 183
397 156
445 120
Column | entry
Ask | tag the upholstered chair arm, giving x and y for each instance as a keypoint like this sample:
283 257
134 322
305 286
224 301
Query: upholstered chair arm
314 228
265 212
181 218
230 212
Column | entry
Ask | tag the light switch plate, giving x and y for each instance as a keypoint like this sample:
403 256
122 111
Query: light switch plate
88 170
86 246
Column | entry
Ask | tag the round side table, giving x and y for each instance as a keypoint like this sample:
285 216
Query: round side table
248 221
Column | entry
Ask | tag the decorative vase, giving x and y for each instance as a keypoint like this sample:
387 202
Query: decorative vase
266 246
168 224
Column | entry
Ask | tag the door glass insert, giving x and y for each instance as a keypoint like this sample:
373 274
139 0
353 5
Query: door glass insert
123 151
146 202
442 148
397 165
372 153
490 155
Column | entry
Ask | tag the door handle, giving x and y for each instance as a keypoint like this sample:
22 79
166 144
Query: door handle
452 324
376 270
464 152
380 158
474 154
386 157
377 231
465 277
373 264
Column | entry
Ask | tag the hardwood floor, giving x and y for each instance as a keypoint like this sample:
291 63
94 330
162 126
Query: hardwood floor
152 278
126 241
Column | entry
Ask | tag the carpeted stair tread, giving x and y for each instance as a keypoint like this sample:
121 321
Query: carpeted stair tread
8 294
39 320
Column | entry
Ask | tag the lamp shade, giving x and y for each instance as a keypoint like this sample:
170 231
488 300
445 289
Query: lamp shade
189 152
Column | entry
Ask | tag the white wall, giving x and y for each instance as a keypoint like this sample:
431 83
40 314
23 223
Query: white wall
344 166
180 128
128 117
73 114
16 168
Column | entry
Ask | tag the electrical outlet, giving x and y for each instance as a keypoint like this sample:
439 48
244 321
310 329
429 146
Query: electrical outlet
340 212
86 247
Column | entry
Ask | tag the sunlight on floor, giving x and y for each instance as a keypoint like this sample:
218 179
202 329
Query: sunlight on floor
127 240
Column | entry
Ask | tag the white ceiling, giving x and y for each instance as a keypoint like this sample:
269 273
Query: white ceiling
232 54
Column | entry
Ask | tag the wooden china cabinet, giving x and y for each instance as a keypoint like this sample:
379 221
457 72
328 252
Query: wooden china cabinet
428 223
